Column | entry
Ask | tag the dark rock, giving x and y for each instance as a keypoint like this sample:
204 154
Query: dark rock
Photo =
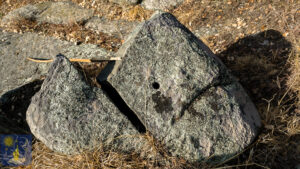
69 116
161 4
182 92
117 28
50 12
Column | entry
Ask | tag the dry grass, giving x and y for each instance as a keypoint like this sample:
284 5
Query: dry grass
102 8
257 40
153 156
294 78
264 71
74 33
91 71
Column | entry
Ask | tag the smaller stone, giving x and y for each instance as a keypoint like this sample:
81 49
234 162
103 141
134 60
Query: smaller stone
125 2
205 32
29 12
69 116
161 4
117 28
64 13
49 12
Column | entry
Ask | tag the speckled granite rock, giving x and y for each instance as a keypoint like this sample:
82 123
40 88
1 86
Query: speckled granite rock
49 12
69 116
182 92
161 4
219 123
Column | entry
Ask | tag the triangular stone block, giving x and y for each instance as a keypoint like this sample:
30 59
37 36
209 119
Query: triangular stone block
182 92
69 116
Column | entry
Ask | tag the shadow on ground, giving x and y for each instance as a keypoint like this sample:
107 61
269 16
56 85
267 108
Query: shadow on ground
260 62
13 107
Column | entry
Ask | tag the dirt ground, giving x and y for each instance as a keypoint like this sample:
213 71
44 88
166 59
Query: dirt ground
257 40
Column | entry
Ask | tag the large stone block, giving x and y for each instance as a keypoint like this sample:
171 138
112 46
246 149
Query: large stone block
182 92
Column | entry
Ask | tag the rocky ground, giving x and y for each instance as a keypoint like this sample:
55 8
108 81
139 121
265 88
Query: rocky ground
257 41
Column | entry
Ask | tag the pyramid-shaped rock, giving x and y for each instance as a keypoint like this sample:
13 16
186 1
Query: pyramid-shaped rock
181 92
69 116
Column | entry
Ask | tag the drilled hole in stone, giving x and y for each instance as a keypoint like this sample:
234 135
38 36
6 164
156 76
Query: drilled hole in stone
155 85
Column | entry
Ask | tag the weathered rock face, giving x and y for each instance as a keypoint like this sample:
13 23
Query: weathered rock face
50 12
16 70
219 123
161 4
117 28
69 116
181 92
